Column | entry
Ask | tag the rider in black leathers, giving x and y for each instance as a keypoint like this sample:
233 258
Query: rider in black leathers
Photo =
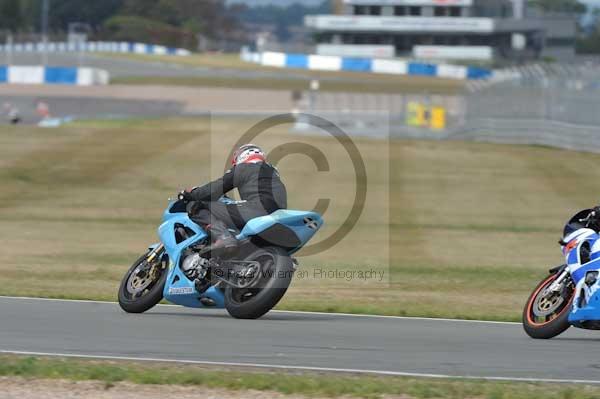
260 188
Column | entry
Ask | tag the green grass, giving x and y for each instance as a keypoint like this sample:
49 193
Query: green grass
460 229
368 85
299 383
212 60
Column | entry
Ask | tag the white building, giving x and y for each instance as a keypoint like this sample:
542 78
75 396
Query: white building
435 29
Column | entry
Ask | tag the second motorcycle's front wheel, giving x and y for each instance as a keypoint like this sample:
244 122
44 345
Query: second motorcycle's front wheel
546 313
269 286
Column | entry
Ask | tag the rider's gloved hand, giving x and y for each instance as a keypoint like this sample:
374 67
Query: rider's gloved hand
185 195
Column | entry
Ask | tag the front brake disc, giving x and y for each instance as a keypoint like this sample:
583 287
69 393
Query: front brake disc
547 305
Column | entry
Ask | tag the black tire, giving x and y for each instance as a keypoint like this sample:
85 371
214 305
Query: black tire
271 290
150 298
557 323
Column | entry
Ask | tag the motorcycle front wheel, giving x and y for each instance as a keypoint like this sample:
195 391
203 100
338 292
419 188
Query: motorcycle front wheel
546 315
274 278
142 287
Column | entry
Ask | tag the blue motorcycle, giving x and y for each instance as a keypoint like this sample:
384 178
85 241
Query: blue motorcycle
181 270
570 295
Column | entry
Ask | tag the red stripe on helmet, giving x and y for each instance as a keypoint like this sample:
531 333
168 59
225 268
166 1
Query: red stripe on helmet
255 158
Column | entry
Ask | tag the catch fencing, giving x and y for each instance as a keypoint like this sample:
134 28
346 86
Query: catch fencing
93 47
556 105
559 108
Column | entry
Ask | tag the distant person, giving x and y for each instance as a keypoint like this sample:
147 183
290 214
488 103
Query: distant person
43 109
12 114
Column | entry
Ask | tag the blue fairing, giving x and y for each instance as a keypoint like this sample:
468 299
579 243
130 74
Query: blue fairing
578 274
587 309
586 300
179 289
590 312
166 232
182 291
170 213
586 304
295 220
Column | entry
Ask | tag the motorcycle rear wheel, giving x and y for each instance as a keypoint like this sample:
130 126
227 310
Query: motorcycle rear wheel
555 311
139 293
277 270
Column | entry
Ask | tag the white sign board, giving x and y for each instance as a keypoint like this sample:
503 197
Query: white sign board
483 53
324 63
361 23
462 3
518 41
357 50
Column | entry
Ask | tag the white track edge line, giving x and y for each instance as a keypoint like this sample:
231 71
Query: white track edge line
283 311
303 368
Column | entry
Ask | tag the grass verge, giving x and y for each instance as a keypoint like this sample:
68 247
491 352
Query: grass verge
289 79
365 85
300 383
460 230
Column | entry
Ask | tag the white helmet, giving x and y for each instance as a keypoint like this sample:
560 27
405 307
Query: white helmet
248 153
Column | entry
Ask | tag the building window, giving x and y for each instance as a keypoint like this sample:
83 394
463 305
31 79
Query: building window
455 11
454 40
560 42
439 11
360 10
400 11
414 11
375 10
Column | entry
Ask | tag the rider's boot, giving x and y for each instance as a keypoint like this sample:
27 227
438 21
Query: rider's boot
223 242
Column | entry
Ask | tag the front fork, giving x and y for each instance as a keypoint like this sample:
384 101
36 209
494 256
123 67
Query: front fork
559 285
556 285
154 253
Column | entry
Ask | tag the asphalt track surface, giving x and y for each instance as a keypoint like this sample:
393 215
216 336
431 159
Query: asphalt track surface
151 101
298 340
92 108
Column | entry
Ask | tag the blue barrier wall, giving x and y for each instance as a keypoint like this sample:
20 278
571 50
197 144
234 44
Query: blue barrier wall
296 61
59 75
478 73
357 64
38 74
416 68
388 66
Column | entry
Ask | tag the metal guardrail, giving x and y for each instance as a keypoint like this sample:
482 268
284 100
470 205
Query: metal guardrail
531 132
555 105
92 47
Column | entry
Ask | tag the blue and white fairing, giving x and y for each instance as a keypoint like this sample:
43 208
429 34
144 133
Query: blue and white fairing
586 302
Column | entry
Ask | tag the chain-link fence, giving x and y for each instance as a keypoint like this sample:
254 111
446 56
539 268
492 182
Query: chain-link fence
559 107
380 115
556 105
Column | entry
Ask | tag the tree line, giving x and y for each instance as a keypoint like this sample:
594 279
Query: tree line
178 23
168 22
186 23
